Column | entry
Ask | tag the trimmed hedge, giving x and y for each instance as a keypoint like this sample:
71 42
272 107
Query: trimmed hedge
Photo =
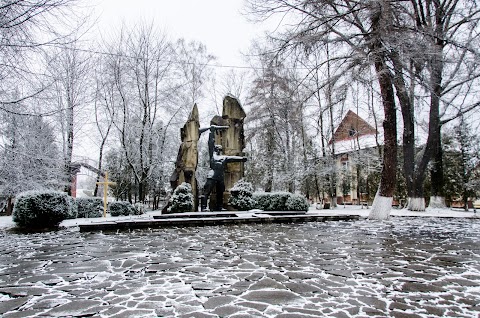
280 201
297 202
42 209
122 208
89 207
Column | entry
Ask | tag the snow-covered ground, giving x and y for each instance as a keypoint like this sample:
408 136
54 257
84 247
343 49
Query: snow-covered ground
404 267
6 221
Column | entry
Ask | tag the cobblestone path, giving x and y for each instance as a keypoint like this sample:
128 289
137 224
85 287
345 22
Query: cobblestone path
407 267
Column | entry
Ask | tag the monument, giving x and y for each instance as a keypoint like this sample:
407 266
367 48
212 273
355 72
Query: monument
187 157
232 141
216 175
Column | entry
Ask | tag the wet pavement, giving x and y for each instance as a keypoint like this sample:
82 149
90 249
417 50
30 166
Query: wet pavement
406 267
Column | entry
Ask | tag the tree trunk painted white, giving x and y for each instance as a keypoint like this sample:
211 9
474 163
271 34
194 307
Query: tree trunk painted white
381 208
416 204
437 202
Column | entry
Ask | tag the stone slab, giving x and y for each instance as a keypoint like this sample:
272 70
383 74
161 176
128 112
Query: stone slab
212 218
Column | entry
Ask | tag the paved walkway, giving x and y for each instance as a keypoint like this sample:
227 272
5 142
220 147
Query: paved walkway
406 267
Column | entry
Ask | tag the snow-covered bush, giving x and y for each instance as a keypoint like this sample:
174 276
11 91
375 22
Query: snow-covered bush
262 200
297 202
280 201
40 209
181 199
271 201
122 208
73 208
89 207
140 207
241 196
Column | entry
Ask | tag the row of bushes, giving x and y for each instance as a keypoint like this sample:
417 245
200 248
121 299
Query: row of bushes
242 198
40 209
48 208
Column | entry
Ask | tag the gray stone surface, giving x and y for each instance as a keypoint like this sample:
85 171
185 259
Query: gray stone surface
401 268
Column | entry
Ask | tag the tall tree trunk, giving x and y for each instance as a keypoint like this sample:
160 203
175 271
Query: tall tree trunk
100 158
382 204
437 196
269 155
433 140
333 174
408 124
69 150
9 208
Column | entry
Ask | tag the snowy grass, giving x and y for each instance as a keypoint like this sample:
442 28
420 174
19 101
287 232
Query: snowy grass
7 223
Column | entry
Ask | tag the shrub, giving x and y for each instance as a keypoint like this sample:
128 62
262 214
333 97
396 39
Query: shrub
280 201
40 209
271 201
89 207
297 202
73 208
262 200
241 196
140 207
122 208
181 199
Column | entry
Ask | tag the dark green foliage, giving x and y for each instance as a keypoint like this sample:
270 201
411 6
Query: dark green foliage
280 201
42 209
89 207
181 199
122 208
241 196
262 200
297 202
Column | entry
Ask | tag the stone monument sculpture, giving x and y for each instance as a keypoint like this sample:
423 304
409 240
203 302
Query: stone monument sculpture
216 175
231 142
187 158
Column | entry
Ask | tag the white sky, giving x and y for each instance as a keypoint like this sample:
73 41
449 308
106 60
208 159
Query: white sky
218 24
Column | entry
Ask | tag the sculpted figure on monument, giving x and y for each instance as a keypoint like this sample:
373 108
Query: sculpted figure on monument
216 174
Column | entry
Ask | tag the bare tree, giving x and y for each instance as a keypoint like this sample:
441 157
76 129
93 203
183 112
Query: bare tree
192 64
148 57
277 123
25 28
105 104
446 31
362 29
70 68
155 84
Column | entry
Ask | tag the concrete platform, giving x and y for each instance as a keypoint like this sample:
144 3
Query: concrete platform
214 218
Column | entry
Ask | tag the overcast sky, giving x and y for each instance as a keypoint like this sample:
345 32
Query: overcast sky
218 24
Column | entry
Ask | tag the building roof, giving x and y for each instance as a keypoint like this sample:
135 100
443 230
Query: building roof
353 133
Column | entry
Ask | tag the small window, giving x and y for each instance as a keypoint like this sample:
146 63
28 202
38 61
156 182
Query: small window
352 132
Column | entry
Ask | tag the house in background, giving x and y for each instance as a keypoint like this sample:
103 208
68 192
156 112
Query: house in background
355 144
